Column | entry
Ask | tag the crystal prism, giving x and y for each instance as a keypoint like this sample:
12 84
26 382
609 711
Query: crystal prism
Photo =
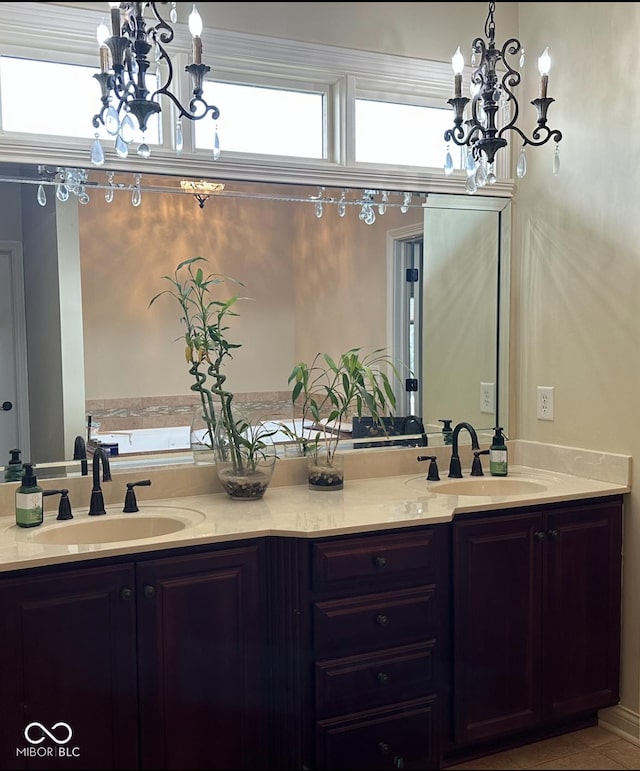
470 164
97 153
136 196
216 146
521 58
42 196
174 14
62 192
481 175
470 185
556 161
112 121
521 167
448 164
121 147
179 137
144 151
108 194
128 129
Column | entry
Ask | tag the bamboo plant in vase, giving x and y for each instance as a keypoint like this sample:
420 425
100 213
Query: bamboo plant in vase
243 450
326 394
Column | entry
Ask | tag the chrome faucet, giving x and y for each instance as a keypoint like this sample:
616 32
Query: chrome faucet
455 472
96 505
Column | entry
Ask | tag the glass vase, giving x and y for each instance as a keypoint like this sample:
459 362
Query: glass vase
245 456
325 472
201 438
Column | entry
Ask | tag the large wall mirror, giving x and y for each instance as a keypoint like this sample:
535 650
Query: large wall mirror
82 275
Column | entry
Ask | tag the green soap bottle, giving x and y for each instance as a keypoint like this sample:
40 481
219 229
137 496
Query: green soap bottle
13 471
29 511
498 460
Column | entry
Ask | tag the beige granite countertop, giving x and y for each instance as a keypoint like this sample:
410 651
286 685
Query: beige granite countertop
365 504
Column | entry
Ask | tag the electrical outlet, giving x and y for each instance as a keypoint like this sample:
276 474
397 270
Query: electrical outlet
487 397
544 403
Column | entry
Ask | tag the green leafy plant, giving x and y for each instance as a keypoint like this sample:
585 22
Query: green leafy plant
333 390
207 350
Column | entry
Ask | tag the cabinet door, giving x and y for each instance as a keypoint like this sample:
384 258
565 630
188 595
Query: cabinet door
201 661
68 670
496 607
582 608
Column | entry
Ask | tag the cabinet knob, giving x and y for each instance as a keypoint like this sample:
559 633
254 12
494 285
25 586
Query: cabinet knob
382 620
149 591
554 533
126 593
539 535
380 562
384 748
382 678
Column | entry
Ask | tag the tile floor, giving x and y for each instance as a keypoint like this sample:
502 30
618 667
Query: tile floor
589 748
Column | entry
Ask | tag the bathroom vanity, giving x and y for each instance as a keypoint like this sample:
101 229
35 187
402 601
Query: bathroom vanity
384 626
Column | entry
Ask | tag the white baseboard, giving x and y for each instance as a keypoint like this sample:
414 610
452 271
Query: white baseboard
621 721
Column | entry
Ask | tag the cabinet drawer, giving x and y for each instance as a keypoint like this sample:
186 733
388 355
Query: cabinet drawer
399 737
374 620
376 559
374 679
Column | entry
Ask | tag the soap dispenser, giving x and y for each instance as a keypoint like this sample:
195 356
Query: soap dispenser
13 471
29 511
447 431
498 461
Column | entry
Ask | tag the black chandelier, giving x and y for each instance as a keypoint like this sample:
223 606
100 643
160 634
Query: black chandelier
491 92
124 65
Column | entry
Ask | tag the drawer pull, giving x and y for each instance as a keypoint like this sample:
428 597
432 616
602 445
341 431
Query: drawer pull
382 678
539 535
382 620
384 748
149 591
554 533
380 562
126 593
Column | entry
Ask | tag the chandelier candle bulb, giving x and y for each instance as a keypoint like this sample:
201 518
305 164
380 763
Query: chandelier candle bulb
115 19
195 28
544 65
457 63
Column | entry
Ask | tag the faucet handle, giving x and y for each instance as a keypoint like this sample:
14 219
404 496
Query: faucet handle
476 466
432 474
64 507
130 502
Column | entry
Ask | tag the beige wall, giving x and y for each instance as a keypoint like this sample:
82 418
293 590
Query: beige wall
314 285
577 259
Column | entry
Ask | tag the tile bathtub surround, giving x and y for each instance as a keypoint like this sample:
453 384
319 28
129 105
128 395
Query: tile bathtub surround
166 411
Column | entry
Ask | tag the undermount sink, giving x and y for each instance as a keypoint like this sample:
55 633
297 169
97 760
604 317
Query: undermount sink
480 486
110 528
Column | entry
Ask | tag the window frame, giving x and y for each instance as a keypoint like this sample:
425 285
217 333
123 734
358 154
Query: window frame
69 37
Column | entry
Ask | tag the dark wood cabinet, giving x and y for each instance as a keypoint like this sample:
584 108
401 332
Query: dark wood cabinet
536 617
369 642
155 663
68 656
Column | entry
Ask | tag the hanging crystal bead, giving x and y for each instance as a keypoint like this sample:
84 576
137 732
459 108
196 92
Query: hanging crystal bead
136 193
83 196
122 148
173 15
406 200
97 153
521 166
108 194
342 206
481 175
179 137
216 145
521 58
144 151
473 57
470 185
41 195
62 192
491 175
382 206
112 121
448 163
470 164
556 161
128 129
